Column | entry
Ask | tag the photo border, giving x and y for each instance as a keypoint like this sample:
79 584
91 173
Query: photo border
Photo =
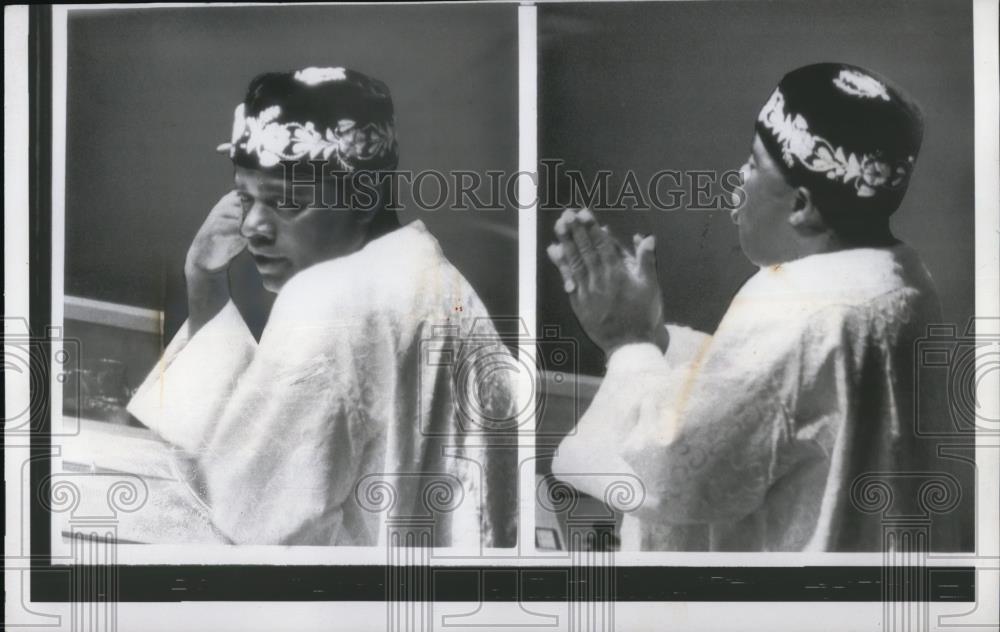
50 583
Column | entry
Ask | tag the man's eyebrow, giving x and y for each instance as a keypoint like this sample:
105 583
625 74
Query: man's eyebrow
269 186
301 192
269 191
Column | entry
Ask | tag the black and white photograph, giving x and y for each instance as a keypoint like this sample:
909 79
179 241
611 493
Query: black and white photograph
599 315
279 334
751 216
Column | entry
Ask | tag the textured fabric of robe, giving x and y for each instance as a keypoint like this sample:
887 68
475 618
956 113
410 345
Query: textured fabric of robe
760 437
371 399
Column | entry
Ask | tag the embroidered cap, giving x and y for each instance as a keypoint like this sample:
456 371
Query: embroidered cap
845 131
332 114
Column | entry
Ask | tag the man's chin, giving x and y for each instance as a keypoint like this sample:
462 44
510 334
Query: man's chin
753 252
272 284
746 252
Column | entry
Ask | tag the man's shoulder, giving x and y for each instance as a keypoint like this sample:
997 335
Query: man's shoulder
823 302
401 274
856 278
897 291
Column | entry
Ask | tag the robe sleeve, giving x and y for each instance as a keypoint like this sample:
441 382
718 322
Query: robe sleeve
636 376
181 397
707 437
291 439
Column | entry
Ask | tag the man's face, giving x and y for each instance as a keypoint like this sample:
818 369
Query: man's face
284 241
766 236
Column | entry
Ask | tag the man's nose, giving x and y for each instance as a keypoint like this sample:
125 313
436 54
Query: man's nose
739 200
258 222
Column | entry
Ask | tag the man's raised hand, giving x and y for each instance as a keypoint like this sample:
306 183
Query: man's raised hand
616 296
218 241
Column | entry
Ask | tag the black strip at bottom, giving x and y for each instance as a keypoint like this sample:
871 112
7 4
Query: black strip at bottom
526 584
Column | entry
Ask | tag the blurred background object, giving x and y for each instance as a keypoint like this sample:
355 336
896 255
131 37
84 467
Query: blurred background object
118 345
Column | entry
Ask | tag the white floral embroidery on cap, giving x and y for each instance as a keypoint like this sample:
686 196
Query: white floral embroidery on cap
273 142
861 85
313 75
267 138
239 124
866 172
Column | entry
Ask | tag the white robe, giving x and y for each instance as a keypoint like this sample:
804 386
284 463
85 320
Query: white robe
751 439
353 410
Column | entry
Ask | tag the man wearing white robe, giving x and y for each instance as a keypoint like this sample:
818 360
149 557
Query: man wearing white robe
369 396
768 434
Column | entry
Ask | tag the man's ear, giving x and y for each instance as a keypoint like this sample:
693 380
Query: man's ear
805 216
371 196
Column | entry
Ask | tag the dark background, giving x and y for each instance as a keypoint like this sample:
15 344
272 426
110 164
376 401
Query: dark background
152 92
649 86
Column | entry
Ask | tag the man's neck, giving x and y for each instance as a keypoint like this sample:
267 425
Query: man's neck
879 240
829 242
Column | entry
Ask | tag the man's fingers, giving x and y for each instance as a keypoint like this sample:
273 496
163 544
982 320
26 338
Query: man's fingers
228 206
578 224
608 248
571 255
645 253
585 217
221 250
620 249
556 256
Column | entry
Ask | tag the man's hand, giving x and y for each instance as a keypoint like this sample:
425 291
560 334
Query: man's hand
616 296
214 247
218 240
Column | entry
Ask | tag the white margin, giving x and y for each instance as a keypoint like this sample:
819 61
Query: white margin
986 62
527 143
16 141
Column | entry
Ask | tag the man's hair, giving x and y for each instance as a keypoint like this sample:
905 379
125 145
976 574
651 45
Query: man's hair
855 221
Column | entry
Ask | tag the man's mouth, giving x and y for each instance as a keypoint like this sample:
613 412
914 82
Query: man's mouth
735 212
267 263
